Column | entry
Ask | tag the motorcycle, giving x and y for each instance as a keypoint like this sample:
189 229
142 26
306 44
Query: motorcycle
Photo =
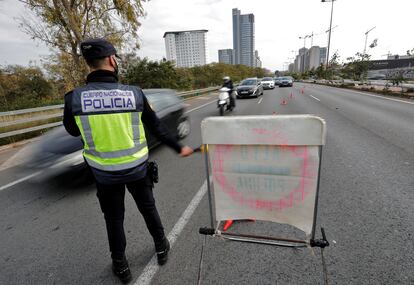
223 103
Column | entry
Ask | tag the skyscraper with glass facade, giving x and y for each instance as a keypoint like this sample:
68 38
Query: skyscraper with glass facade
243 39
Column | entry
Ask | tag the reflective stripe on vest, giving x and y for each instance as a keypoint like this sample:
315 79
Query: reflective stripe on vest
116 167
99 157
117 153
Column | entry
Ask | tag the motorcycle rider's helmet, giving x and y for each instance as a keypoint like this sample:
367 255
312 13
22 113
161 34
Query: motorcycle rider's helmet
226 78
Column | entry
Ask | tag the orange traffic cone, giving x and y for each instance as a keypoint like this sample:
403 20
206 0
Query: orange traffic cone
302 91
283 102
274 113
291 95
227 225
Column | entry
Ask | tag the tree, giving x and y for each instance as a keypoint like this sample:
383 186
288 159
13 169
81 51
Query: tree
320 71
357 66
410 52
64 24
333 66
23 87
150 74
397 79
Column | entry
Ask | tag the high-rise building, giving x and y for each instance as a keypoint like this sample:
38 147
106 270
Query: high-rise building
322 59
258 62
225 56
301 60
309 58
243 38
314 57
186 48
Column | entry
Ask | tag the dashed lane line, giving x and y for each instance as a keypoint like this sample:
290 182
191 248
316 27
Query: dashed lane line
315 98
199 107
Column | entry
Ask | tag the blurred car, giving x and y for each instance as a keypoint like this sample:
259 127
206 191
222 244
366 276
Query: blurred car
286 81
59 150
277 81
250 87
268 83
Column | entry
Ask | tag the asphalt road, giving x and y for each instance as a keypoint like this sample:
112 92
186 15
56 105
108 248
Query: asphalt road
52 230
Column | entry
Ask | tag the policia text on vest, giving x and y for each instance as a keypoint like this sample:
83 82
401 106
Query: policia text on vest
96 100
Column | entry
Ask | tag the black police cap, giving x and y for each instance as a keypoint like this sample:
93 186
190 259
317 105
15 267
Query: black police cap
97 48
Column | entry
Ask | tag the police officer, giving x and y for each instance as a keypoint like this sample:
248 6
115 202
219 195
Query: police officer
110 118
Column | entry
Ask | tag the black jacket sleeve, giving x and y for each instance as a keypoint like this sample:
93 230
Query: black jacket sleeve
68 118
156 127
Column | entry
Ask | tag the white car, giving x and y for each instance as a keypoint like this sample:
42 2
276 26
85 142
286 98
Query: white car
268 83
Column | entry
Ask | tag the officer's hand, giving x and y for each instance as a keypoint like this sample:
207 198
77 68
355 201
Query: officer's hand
186 151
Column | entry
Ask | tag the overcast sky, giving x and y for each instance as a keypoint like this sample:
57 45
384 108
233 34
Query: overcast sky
278 25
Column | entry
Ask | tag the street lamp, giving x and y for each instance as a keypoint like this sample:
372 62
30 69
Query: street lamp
304 39
366 38
330 30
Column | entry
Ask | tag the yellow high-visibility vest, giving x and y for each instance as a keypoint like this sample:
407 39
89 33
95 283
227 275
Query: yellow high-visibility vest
109 118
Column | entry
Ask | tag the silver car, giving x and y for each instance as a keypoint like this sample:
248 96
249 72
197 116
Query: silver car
286 81
250 87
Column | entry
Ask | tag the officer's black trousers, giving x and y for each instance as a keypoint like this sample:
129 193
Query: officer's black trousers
111 199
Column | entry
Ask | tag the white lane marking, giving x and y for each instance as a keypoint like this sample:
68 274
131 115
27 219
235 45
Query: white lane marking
152 267
260 101
202 98
315 98
199 107
20 180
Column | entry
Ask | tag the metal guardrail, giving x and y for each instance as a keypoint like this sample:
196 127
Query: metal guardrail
5 123
31 110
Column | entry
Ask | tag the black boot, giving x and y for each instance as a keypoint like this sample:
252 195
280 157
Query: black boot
162 253
121 270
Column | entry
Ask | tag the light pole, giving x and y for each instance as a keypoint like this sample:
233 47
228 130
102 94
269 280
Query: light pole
304 39
330 30
366 38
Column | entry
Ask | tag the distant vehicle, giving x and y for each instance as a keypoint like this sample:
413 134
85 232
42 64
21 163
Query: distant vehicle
277 81
250 87
268 83
60 151
286 81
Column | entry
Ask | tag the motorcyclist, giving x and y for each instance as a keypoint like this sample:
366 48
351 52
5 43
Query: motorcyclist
229 84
